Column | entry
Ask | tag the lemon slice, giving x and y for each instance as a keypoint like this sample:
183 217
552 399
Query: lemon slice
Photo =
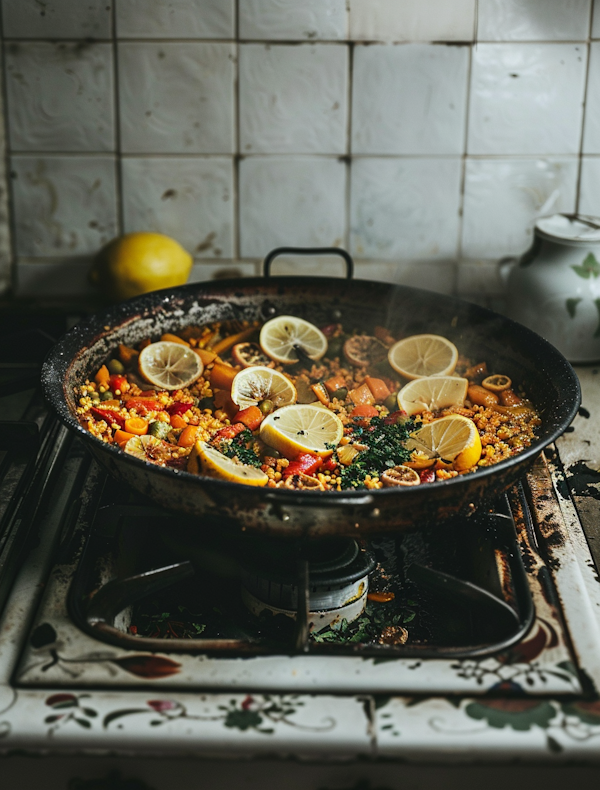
423 355
302 428
257 383
279 336
205 460
454 438
432 393
170 366
148 448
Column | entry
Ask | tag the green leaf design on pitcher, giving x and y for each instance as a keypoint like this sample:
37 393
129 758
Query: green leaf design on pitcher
571 305
589 268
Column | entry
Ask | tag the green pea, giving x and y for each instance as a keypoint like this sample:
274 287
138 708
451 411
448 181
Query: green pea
341 394
107 395
391 402
266 406
115 366
159 429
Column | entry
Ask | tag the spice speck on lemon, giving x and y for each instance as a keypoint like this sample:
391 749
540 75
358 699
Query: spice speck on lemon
137 263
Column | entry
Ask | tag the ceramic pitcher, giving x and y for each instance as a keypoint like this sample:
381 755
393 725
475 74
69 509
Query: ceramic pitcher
554 288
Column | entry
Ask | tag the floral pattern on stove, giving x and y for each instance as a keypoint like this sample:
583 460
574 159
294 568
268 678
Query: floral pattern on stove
68 708
251 713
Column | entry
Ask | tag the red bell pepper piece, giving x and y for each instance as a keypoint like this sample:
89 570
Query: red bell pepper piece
110 417
118 382
251 417
143 405
304 463
427 475
329 465
178 408
229 431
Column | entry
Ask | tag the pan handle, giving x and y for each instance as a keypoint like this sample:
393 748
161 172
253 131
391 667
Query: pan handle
309 251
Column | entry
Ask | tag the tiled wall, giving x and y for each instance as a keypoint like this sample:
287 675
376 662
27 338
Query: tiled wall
423 135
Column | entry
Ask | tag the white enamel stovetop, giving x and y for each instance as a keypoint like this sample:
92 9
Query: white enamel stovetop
555 721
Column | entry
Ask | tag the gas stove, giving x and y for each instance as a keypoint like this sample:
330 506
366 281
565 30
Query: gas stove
122 623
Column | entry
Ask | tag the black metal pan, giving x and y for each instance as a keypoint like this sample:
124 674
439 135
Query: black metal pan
478 333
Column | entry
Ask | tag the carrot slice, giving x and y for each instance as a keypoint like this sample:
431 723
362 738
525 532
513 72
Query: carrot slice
137 426
187 437
205 356
177 421
362 395
122 437
250 417
222 376
169 338
321 393
127 354
334 384
102 376
228 342
378 387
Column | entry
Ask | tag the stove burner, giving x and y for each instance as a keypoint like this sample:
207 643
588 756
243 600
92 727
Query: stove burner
338 573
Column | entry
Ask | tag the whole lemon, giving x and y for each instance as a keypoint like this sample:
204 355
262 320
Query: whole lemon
136 263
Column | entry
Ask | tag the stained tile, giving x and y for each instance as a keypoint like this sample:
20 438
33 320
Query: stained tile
60 96
176 97
175 18
503 198
533 20
596 20
589 191
412 20
225 270
63 205
405 208
291 20
438 276
43 277
190 199
291 201
591 134
526 98
286 105
409 99
57 19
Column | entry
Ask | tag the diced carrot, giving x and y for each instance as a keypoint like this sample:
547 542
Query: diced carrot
169 338
222 376
188 436
177 421
102 376
122 437
206 357
378 387
321 393
144 343
364 410
127 354
362 395
250 417
137 426
228 342
334 384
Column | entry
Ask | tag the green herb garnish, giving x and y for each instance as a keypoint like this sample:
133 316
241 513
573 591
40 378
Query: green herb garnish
242 448
369 626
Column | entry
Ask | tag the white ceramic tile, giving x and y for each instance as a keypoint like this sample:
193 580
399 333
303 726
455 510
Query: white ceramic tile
589 190
591 135
438 276
526 98
479 277
290 19
60 96
409 99
176 97
175 18
292 202
293 99
188 199
225 270
596 20
63 205
43 277
5 231
503 198
405 208
57 18
533 20
307 266
412 20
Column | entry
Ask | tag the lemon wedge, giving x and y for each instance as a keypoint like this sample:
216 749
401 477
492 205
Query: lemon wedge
169 366
148 448
279 336
454 438
432 393
257 383
205 460
423 355
302 428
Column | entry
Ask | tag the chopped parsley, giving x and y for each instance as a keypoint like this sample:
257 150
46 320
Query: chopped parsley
242 448
386 449
369 627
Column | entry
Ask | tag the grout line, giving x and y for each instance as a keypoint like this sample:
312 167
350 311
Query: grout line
584 111
117 131
464 157
348 158
10 193
236 158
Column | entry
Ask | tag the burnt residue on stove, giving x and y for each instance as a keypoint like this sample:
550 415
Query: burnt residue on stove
584 481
